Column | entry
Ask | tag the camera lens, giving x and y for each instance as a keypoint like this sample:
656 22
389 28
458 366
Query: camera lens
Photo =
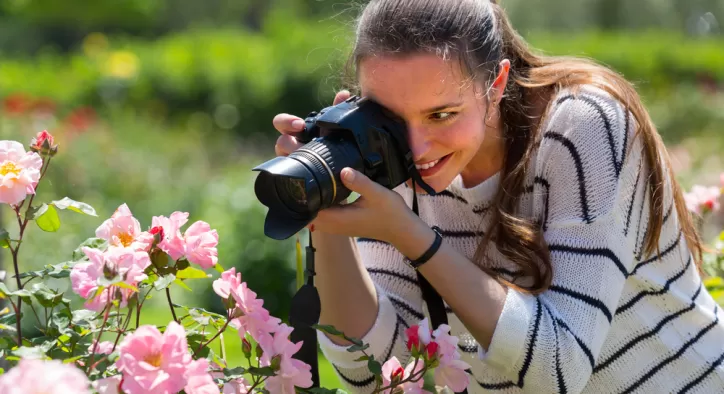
298 186
292 192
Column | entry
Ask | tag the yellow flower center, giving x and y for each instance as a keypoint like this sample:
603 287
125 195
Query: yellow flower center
153 359
8 168
126 239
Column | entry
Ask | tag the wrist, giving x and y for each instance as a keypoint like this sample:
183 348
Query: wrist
415 240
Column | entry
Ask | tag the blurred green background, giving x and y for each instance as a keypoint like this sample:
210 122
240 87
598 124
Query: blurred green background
166 105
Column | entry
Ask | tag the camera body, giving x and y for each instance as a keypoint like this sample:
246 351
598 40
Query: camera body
357 133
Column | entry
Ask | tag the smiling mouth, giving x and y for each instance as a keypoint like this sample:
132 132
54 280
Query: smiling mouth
430 164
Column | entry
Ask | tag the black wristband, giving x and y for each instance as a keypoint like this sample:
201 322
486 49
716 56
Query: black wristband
430 251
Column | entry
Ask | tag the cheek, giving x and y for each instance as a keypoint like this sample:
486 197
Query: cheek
464 135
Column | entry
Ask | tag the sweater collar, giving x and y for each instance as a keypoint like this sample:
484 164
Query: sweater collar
480 194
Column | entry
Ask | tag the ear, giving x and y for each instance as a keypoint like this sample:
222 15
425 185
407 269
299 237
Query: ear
501 81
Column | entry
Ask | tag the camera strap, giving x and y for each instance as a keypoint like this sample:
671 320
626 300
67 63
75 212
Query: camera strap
435 305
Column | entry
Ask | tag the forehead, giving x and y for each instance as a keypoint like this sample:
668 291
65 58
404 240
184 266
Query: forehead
410 83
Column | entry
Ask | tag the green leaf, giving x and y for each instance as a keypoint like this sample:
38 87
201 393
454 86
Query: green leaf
220 268
163 282
199 317
83 316
328 329
60 270
47 218
363 358
192 273
264 371
45 296
80 207
29 352
4 238
182 284
234 373
357 348
374 367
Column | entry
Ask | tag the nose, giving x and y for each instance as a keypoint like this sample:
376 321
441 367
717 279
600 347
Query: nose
418 141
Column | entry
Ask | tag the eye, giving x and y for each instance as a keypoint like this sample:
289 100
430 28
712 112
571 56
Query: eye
443 116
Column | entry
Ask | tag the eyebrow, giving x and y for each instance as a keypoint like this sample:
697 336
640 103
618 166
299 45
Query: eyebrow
442 107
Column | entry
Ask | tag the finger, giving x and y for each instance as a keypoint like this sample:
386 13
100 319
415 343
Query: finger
358 182
286 123
286 144
341 96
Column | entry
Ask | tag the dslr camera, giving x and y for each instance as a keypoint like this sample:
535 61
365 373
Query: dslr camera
357 133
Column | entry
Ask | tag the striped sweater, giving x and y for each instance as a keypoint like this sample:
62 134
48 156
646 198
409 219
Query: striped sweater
613 321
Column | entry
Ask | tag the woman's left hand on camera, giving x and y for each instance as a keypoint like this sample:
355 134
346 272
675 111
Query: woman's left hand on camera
379 213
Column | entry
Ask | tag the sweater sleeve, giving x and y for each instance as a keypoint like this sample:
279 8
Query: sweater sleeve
587 174
400 306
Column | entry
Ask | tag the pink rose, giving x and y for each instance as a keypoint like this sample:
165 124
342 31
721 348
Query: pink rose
34 376
251 316
201 243
702 199
124 231
155 362
172 243
110 385
451 371
126 263
44 143
292 372
198 379
229 280
392 371
237 386
19 172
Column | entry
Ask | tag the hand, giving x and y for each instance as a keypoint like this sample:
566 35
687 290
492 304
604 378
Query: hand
379 213
290 124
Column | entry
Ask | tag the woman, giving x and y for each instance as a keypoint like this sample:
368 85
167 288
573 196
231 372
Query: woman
569 261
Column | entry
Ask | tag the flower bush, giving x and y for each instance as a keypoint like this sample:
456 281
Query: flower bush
88 343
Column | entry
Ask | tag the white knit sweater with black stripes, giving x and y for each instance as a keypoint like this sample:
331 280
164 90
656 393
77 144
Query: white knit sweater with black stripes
613 321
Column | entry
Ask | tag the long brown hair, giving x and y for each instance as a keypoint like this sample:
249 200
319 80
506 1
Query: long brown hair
479 34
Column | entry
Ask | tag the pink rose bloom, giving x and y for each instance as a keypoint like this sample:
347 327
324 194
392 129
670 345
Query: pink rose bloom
198 379
105 347
152 362
254 319
19 172
252 316
173 242
702 199
392 370
108 385
229 280
34 376
237 386
201 243
127 263
123 230
292 372
451 371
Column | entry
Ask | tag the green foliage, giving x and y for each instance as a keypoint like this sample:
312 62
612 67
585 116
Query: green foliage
236 79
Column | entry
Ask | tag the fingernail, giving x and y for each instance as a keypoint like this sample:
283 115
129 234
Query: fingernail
298 124
348 175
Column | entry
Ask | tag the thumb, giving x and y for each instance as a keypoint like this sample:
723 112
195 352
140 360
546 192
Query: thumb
341 96
360 183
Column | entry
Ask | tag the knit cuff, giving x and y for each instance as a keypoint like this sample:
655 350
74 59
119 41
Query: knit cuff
379 337
511 332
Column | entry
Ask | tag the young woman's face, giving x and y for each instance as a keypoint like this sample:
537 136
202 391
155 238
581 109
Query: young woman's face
445 116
